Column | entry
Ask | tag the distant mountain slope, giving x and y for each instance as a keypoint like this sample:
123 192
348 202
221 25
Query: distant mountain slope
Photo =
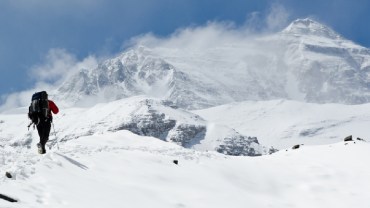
284 123
327 67
307 61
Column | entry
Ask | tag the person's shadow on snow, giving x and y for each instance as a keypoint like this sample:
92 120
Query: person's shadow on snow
74 162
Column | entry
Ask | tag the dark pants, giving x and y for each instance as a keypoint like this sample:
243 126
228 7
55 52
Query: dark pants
43 128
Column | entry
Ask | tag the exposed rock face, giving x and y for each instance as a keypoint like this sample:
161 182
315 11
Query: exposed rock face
153 124
240 145
186 135
159 125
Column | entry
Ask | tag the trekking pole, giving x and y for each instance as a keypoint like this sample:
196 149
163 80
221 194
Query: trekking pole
56 138
29 125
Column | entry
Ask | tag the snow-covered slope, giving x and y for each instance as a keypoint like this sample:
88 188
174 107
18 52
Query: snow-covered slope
140 115
284 123
125 170
327 68
141 71
307 61
131 73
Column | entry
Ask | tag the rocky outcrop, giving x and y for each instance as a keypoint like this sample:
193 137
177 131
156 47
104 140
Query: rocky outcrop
186 134
153 124
240 146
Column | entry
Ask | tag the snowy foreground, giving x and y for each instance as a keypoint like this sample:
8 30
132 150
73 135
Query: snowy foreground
121 169
125 170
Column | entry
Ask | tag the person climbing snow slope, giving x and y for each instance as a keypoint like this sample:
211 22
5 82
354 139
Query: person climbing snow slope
40 113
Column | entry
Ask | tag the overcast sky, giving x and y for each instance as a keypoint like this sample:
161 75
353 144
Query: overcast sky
34 31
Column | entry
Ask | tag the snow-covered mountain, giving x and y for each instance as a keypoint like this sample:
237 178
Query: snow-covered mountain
326 67
139 145
307 61
140 71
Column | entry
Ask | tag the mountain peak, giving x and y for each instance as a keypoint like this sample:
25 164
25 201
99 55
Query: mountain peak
308 26
306 21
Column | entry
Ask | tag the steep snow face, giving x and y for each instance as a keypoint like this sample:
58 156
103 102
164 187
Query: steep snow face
307 61
131 73
328 68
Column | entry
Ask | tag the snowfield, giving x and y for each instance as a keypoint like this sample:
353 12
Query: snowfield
119 169
122 169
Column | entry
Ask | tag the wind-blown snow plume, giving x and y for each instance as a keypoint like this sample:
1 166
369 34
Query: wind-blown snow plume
277 18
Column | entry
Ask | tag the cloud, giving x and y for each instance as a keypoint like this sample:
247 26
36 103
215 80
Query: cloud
57 66
23 98
220 33
194 37
277 18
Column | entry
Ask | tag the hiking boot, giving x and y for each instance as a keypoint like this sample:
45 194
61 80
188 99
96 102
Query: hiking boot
41 149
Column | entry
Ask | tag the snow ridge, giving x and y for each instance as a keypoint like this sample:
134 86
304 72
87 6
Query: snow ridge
311 27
